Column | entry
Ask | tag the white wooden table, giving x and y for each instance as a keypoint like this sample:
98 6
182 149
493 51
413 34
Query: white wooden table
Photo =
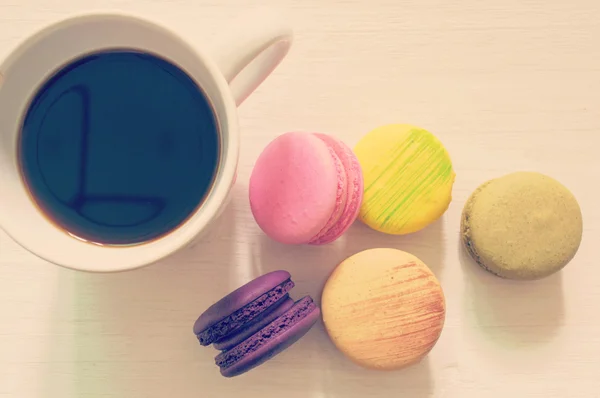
507 85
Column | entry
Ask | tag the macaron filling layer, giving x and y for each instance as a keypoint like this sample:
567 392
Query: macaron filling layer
245 314
235 338
340 200
293 316
353 191
466 230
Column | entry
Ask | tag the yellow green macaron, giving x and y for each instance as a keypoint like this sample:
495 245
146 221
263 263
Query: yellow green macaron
408 178
523 225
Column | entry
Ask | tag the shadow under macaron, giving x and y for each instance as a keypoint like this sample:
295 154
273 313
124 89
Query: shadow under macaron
428 244
325 371
310 267
511 313
414 381
342 378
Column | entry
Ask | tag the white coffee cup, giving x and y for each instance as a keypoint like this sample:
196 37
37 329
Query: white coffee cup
227 73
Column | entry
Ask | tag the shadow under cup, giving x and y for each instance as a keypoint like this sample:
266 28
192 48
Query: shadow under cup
119 147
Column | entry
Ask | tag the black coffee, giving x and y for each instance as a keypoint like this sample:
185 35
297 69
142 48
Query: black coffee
119 147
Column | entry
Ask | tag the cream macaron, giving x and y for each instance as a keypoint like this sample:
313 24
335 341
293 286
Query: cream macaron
383 308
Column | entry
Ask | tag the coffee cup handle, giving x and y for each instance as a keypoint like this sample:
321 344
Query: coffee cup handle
246 55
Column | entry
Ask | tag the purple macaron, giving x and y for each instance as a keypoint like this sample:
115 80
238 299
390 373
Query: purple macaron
255 322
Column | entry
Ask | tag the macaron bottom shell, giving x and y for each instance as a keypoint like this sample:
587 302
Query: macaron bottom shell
270 340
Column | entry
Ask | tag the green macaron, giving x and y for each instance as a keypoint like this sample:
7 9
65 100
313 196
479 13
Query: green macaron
523 225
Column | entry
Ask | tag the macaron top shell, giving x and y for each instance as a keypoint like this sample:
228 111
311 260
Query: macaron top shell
239 298
383 308
408 178
294 187
524 225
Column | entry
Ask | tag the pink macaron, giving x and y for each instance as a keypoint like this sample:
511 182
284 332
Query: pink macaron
306 188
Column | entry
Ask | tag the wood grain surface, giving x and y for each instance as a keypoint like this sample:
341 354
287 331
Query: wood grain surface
506 85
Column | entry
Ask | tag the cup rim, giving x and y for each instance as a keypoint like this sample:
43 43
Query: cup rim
112 258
